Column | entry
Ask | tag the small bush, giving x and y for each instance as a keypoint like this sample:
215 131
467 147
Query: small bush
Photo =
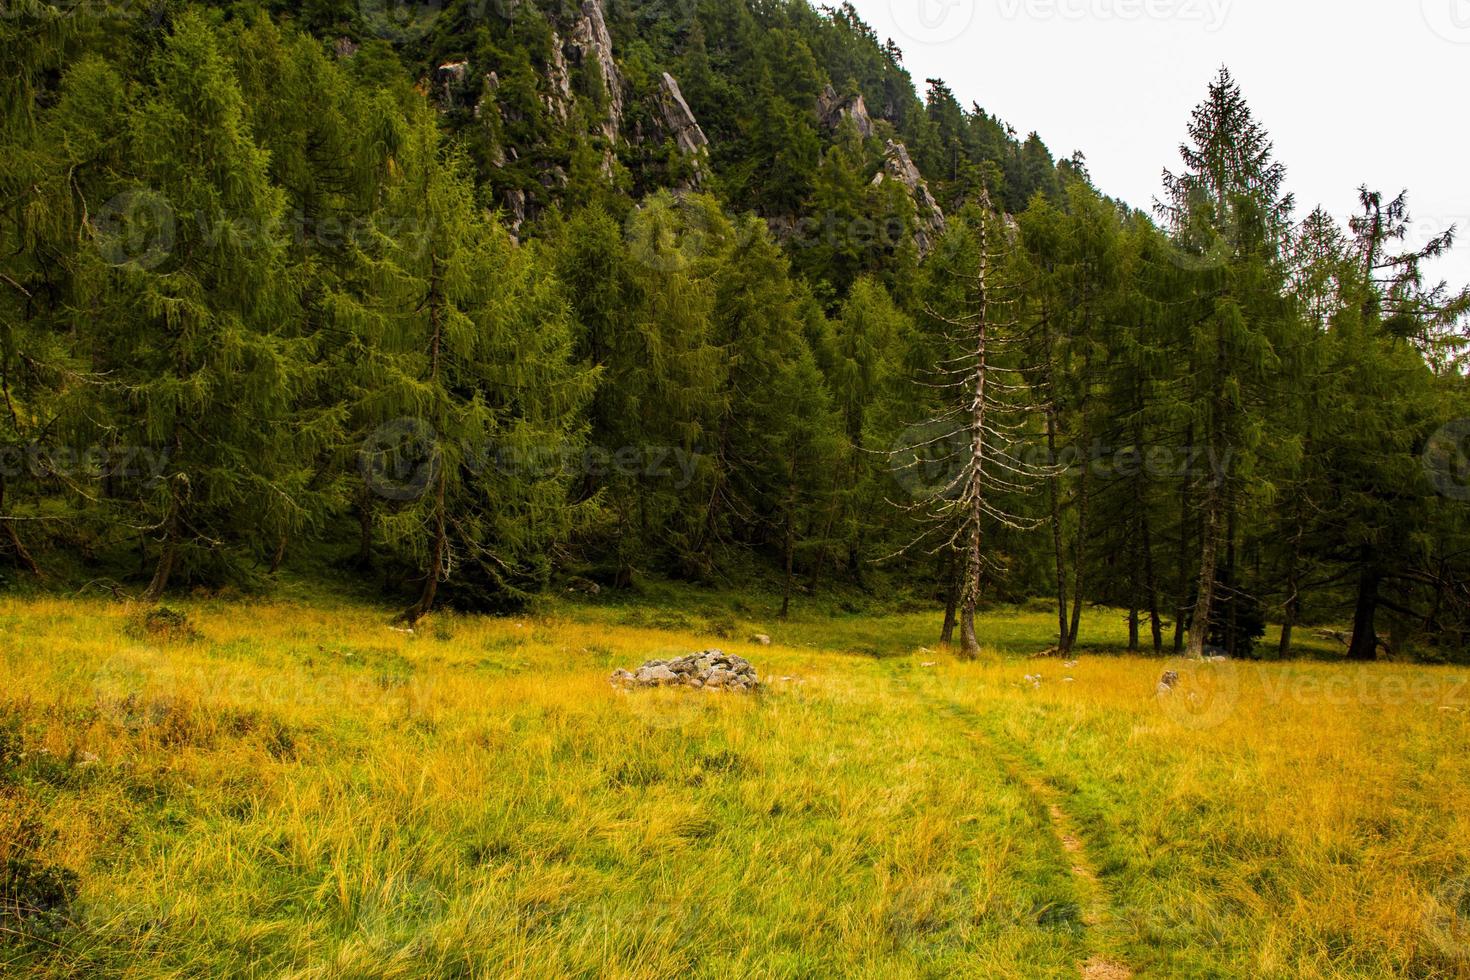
34 896
164 625
722 625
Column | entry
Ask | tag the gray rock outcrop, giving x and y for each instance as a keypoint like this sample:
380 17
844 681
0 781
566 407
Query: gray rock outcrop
589 37
676 122
452 79
832 109
678 119
897 166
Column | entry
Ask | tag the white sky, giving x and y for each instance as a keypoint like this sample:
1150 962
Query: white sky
1352 91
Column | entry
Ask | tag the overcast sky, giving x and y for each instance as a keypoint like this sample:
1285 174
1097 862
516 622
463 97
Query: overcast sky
1352 91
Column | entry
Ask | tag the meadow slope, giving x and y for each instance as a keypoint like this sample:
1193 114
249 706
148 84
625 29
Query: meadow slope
299 790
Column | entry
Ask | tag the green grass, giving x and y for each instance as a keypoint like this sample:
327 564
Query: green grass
302 791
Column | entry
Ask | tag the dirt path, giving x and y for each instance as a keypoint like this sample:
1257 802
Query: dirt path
1096 902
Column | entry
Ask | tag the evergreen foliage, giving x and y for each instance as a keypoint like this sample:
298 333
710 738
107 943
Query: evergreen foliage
286 286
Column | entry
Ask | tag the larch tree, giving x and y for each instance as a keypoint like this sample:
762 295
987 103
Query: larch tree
1229 216
193 304
479 406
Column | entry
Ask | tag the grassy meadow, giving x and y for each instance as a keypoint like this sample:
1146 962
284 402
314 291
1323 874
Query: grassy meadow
292 789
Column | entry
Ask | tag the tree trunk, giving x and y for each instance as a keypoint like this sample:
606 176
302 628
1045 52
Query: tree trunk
365 529
952 600
1232 578
1182 583
789 551
1199 626
439 548
1364 644
22 555
437 554
1054 492
163 571
1133 601
1291 608
969 642
1079 557
1146 548
1151 586
970 596
819 561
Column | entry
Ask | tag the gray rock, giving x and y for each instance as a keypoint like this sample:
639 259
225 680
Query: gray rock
675 121
832 110
679 118
657 675
451 77
1168 682
559 80
589 37
707 670
897 166
515 209
761 639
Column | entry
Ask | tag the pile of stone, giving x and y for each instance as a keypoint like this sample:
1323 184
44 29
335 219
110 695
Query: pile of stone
710 670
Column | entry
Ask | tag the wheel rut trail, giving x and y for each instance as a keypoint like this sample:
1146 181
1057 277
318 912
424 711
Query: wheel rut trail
1096 901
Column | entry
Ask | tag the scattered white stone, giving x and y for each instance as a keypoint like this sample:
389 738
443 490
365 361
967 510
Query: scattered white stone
761 639
929 663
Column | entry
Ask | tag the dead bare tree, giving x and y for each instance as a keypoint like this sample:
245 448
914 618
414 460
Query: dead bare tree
963 462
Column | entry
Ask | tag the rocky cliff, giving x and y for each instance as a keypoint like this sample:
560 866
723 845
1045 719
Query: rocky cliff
929 218
832 110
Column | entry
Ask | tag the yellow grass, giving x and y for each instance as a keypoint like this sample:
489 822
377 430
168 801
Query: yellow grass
305 792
